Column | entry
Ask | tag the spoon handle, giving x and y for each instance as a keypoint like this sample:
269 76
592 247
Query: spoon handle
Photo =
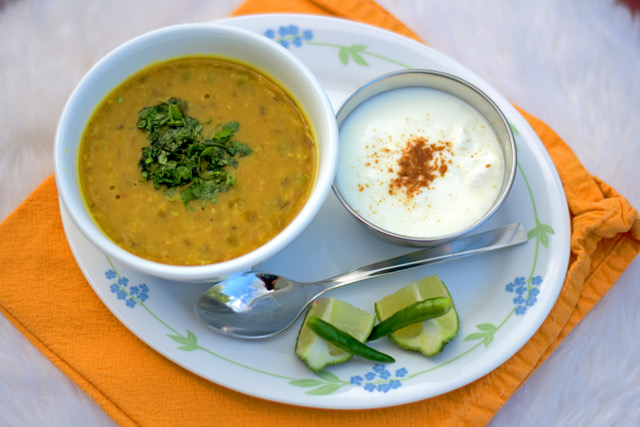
502 237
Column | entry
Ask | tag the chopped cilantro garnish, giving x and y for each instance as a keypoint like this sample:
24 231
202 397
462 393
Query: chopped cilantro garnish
179 156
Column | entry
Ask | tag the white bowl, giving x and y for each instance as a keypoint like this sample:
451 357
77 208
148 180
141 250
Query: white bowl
194 39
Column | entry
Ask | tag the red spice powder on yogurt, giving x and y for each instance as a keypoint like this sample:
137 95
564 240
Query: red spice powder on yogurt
420 164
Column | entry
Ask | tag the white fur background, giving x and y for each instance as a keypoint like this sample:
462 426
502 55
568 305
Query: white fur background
573 63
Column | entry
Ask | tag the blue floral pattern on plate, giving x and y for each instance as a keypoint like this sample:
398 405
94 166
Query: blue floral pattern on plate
290 35
132 295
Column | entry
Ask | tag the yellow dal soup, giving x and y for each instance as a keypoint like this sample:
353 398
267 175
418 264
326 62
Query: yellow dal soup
272 183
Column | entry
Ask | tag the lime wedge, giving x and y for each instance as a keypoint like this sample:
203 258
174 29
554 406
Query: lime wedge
429 336
317 353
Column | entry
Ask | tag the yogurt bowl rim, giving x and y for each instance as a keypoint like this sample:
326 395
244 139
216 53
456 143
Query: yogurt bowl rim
385 82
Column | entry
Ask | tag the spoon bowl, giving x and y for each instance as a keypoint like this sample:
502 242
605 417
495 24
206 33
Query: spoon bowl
260 305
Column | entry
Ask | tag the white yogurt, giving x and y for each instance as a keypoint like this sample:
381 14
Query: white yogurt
419 162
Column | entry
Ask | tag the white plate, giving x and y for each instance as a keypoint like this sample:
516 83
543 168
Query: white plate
502 297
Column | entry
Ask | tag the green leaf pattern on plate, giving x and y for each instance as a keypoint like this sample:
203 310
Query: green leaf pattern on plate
290 36
189 343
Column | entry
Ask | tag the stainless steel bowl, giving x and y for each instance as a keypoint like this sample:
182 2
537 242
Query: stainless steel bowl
462 90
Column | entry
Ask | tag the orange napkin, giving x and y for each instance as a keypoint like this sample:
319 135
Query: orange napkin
136 385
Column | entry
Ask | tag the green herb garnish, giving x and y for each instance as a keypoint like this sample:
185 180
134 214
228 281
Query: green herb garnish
179 156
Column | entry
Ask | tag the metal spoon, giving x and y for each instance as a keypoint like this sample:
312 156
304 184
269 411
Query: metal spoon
259 305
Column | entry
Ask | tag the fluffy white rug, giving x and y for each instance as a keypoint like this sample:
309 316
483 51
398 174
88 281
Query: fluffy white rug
574 64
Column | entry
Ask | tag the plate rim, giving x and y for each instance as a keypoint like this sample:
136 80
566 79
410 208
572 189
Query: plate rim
523 127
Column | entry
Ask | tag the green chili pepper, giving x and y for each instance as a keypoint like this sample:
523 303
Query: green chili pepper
345 342
417 312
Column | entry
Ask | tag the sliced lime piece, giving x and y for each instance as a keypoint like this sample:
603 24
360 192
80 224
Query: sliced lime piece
317 353
429 336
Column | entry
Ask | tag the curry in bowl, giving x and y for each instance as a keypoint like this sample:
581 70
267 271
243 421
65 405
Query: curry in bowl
196 160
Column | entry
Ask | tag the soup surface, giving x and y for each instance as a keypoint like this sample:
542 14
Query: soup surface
419 162
271 185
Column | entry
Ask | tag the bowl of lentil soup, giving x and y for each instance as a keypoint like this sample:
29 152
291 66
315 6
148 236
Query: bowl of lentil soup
196 151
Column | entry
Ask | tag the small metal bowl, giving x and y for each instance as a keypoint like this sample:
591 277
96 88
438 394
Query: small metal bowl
454 86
